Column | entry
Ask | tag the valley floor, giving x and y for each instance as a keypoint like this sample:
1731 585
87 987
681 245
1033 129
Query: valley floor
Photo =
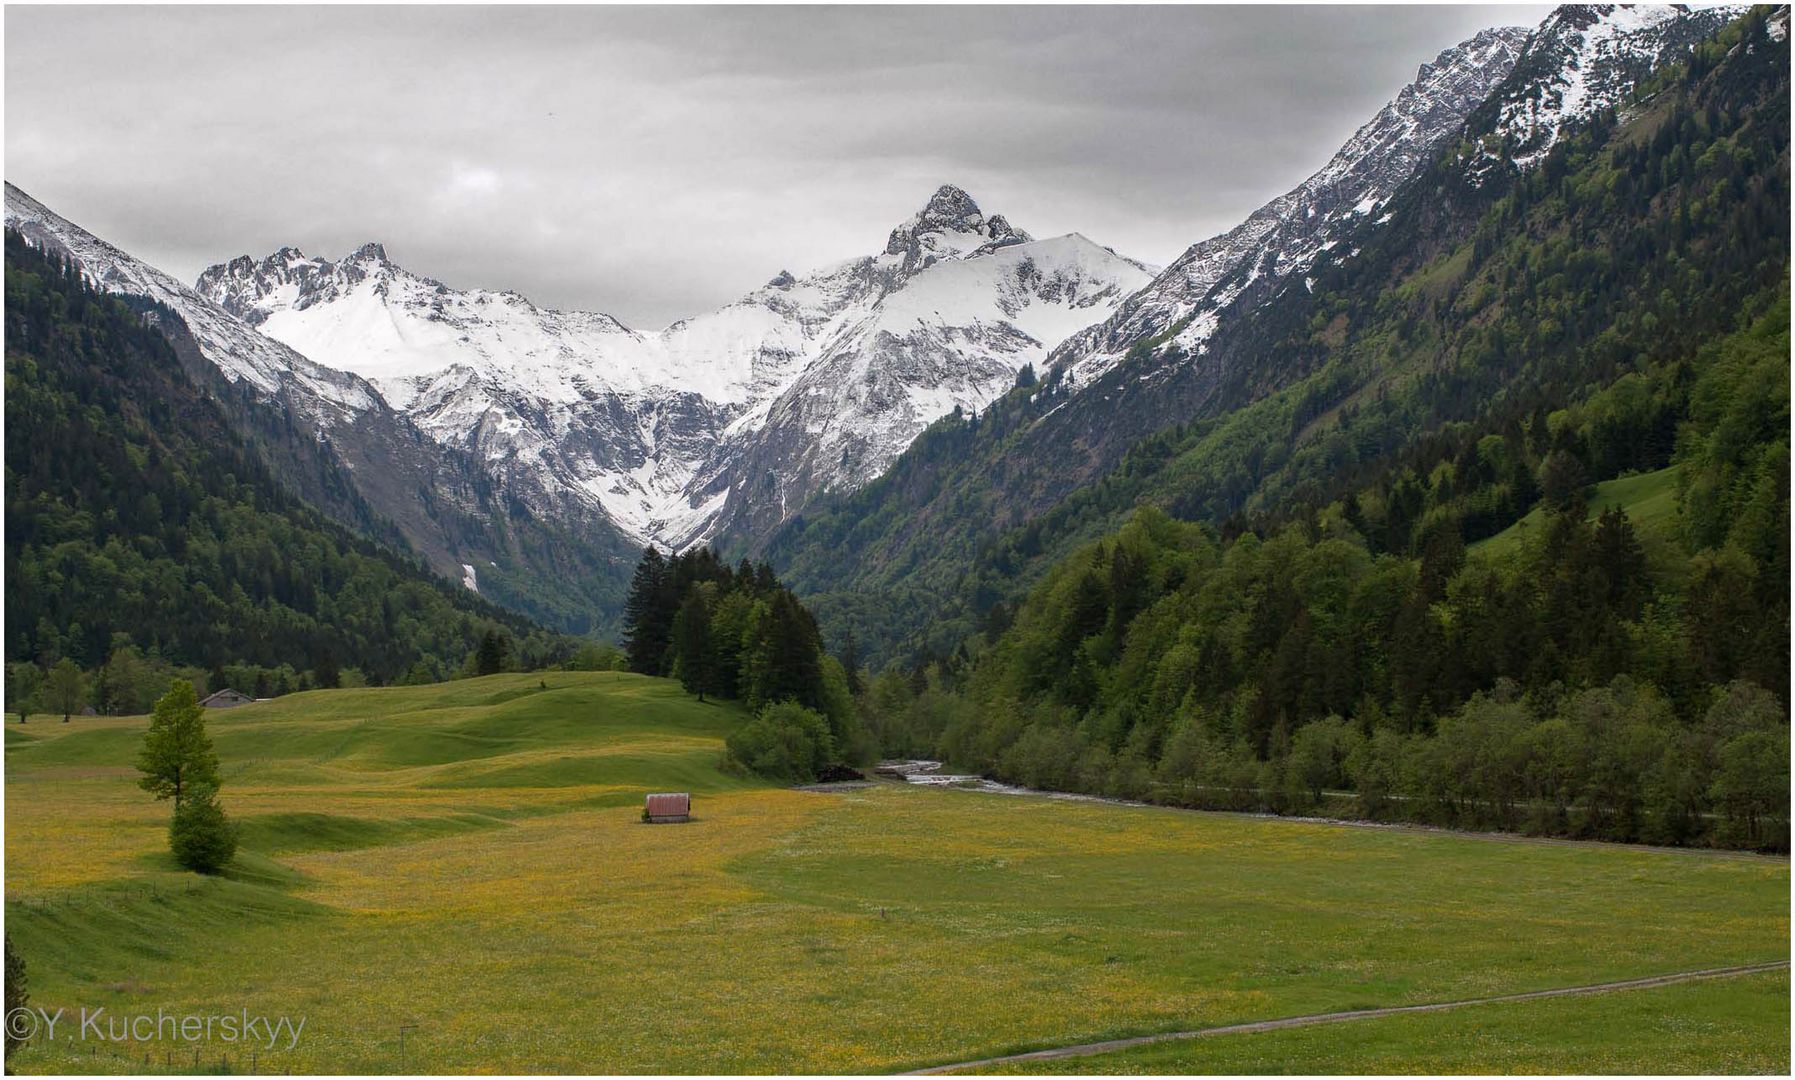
464 864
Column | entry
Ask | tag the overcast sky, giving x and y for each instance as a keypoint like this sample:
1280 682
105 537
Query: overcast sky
655 163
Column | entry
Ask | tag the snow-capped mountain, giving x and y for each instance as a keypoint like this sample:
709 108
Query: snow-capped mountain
953 337
570 411
1585 58
822 379
1580 60
1283 237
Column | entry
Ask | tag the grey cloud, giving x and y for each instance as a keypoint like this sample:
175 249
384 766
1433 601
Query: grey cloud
656 162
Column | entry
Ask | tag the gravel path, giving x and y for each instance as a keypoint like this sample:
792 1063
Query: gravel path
1084 1049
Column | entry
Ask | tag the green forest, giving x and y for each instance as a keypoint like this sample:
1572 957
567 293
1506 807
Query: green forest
1585 678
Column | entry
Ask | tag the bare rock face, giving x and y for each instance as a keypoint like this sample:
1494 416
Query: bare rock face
949 226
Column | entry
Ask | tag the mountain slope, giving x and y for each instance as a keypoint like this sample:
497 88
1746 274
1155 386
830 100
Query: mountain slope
1284 237
1581 60
1619 312
976 510
914 529
442 502
1585 59
134 512
819 381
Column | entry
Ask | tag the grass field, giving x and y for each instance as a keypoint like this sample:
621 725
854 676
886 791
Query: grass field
1688 1028
1649 499
465 862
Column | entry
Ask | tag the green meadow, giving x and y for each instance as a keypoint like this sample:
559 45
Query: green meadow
1650 502
462 867
1730 1026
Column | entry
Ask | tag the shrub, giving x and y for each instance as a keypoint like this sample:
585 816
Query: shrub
785 742
202 838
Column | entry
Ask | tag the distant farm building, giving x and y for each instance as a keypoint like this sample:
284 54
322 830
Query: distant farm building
668 808
226 699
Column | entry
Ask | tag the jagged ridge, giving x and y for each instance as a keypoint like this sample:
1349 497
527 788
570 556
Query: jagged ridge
817 380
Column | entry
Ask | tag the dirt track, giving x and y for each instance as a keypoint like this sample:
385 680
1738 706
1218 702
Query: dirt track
1085 1049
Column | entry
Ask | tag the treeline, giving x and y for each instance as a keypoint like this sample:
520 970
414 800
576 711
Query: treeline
1170 657
739 634
1565 690
132 680
143 536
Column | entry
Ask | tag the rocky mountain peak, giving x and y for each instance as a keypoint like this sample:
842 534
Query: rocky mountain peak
371 251
950 209
950 224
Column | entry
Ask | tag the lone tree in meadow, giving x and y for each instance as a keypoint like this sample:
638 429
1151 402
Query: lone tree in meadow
202 838
177 754
65 688
23 678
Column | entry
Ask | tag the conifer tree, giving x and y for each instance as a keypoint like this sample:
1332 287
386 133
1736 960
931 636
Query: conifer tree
850 664
202 838
692 639
648 615
492 654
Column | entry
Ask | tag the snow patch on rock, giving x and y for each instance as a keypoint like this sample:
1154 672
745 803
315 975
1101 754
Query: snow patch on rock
840 368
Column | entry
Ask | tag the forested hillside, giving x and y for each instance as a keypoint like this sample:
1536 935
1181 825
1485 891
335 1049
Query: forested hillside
138 523
1407 597
1482 293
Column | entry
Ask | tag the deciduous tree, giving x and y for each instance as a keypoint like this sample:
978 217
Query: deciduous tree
177 753
65 689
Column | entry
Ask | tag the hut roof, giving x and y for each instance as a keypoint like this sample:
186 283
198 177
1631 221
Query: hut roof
669 803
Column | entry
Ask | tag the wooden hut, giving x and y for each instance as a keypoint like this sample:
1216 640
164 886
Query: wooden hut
667 808
226 699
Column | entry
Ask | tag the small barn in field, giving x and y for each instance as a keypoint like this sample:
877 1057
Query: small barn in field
667 808
225 699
